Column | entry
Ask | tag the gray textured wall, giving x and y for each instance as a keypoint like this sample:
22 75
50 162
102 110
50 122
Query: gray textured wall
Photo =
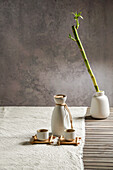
38 60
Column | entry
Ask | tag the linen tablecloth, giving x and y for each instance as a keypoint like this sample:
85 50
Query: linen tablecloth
19 124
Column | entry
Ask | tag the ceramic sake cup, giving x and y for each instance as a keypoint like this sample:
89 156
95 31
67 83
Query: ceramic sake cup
69 134
42 134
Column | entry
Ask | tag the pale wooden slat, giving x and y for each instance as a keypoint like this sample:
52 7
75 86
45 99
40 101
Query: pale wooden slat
94 127
96 167
111 110
111 115
100 138
97 152
100 128
98 121
93 149
90 143
97 124
98 147
101 144
98 155
88 151
99 133
88 159
99 164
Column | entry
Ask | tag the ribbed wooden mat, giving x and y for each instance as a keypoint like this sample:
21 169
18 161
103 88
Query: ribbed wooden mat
98 149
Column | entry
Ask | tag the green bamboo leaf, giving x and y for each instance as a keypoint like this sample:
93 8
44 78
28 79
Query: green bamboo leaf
79 13
76 14
73 39
69 35
73 13
81 17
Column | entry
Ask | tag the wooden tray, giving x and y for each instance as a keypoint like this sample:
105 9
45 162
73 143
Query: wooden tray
62 141
34 140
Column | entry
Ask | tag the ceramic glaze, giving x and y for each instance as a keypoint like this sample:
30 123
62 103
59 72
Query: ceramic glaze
100 106
60 117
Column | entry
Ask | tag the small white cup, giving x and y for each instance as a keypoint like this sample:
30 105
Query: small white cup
42 134
69 134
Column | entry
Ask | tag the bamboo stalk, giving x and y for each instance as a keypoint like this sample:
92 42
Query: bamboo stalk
74 29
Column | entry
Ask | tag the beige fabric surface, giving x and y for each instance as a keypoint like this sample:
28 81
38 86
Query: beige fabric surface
18 124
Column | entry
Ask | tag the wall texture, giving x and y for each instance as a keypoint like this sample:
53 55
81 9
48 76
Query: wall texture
38 60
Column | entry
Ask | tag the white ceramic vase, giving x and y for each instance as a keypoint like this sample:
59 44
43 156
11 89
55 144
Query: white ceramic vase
100 106
60 117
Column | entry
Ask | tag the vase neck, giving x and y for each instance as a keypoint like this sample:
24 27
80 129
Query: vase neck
101 93
63 104
60 99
